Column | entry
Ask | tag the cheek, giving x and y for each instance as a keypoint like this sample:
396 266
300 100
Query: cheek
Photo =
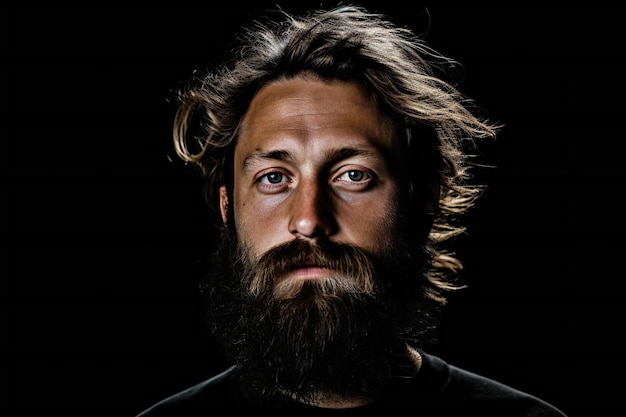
373 226
258 225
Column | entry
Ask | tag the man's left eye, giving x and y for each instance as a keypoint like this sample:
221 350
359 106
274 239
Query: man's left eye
354 175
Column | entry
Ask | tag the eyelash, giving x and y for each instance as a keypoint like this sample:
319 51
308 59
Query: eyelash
367 178
265 177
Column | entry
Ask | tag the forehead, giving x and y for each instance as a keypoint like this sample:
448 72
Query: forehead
312 111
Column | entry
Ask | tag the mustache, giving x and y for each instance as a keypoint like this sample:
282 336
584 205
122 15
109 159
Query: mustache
346 261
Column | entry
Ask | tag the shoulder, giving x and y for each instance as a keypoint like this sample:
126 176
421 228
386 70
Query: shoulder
213 393
463 388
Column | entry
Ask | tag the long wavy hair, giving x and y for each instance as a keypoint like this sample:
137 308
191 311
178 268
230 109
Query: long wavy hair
406 77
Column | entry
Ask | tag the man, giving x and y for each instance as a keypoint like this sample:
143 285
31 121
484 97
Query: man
337 159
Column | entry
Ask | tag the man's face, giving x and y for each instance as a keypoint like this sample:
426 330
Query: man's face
314 161
317 289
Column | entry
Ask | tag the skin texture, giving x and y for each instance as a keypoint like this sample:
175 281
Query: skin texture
314 160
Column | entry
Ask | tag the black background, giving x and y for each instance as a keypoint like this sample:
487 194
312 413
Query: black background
102 228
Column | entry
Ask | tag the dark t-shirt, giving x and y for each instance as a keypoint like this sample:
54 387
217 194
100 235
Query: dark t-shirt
439 389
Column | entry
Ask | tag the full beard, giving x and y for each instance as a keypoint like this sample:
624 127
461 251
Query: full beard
346 334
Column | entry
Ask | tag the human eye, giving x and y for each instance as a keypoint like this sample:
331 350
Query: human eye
355 178
272 178
271 181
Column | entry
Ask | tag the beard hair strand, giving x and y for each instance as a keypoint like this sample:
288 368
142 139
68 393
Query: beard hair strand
345 334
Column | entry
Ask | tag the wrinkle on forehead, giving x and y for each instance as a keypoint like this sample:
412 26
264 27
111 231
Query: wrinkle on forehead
302 107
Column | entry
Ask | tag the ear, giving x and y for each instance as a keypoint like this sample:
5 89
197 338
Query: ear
223 203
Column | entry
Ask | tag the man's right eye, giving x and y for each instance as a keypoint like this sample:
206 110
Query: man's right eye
272 178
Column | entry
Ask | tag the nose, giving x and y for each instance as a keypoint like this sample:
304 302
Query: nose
311 212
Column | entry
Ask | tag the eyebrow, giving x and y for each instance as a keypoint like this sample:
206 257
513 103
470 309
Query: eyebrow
330 157
264 156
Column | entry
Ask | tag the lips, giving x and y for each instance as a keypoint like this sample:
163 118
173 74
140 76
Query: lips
309 272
